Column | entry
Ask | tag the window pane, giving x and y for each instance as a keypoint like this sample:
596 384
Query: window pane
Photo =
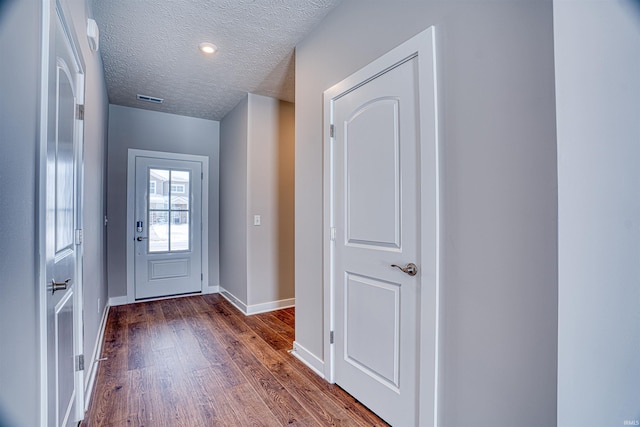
158 189
158 231
179 231
180 190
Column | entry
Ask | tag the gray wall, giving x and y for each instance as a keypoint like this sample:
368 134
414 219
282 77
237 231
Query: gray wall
270 161
499 196
151 130
285 210
19 115
597 48
19 78
233 200
257 178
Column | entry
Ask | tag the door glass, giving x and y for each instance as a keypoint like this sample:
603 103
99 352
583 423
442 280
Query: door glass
158 231
169 210
180 231
158 191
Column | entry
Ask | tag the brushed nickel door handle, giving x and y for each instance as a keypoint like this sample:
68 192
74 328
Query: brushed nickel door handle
59 286
411 269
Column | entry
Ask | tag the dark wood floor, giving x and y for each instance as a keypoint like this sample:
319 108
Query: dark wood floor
198 361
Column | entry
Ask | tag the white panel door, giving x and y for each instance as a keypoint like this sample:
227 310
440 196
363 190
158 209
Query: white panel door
168 227
377 223
63 215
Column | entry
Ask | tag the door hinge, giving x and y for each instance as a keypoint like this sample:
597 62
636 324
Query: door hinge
201 277
80 112
80 362
78 237
333 234
201 176
331 337
332 131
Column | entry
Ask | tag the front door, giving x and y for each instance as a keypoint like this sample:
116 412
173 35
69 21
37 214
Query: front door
168 227
377 220
63 237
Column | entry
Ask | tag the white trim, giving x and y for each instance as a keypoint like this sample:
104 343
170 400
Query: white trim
264 307
64 8
327 242
430 162
312 361
131 173
115 301
237 303
79 221
41 208
423 47
93 366
211 290
271 306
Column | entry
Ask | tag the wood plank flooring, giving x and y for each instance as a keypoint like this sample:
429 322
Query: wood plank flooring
198 361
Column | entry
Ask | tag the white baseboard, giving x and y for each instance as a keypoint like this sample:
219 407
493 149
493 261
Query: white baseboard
233 300
210 290
118 301
93 361
308 358
271 306
264 307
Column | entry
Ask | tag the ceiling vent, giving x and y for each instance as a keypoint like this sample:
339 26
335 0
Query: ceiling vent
151 99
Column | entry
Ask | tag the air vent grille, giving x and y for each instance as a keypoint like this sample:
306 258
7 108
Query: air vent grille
152 99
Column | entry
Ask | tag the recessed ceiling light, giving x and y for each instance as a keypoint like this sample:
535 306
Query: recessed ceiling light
207 48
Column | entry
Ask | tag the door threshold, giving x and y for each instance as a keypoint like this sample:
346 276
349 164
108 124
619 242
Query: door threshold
188 294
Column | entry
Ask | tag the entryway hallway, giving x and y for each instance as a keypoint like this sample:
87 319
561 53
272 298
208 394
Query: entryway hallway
198 361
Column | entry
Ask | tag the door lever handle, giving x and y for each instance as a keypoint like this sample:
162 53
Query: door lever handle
140 238
59 286
411 269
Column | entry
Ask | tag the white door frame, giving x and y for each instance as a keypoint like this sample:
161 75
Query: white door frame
421 46
131 193
48 15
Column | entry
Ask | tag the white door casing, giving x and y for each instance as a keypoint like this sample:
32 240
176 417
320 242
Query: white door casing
167 224
381 208
60 204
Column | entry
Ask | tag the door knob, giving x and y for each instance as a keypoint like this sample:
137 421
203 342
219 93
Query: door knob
59 286
411 269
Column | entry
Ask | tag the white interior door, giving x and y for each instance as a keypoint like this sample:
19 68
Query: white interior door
63 245
383 227
168 227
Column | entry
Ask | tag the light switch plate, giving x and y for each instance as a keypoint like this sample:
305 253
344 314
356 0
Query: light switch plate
256 220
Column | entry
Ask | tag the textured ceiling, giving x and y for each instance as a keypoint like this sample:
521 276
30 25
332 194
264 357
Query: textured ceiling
150 47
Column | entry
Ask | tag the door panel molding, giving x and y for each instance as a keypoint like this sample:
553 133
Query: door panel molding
423 48
64 335
360 227
358 346
130 229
